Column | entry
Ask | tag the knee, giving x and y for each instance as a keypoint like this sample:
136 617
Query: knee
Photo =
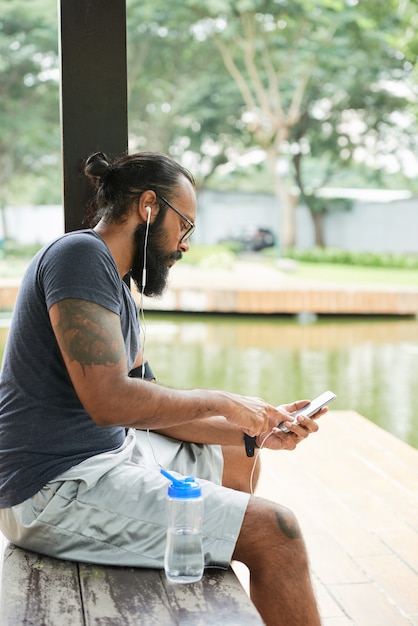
271 527
287 522
282 522
277 517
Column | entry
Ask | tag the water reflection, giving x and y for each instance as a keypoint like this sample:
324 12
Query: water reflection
372 365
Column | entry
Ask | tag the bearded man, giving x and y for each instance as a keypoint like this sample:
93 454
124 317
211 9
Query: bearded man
84 430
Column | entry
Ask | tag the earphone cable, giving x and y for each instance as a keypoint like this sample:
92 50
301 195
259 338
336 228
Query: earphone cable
256 460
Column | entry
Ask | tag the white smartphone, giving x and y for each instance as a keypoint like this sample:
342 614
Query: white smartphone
311 408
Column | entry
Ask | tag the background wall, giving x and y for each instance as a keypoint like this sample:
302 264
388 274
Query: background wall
32 224
382 224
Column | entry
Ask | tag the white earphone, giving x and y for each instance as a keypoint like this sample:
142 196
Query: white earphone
144 270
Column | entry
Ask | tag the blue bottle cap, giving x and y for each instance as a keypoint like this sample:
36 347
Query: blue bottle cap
183 488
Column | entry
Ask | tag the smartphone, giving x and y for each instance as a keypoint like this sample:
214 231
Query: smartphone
311 408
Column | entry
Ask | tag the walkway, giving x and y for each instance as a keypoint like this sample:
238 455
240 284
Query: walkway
354 488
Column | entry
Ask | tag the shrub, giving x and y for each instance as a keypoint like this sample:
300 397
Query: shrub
346 257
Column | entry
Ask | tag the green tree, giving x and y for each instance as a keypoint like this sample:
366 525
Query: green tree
359 115
181 100
29 94
305 71
316 84
405 41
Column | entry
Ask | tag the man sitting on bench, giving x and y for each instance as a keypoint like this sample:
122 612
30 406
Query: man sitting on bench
84 431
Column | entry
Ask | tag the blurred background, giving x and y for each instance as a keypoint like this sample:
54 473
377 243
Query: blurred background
299 121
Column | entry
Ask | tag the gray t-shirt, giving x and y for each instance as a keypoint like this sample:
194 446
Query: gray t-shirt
44 429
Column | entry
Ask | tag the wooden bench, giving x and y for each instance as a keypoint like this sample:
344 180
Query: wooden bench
41 591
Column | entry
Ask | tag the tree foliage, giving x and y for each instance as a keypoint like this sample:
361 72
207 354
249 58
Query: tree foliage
29 109
319 87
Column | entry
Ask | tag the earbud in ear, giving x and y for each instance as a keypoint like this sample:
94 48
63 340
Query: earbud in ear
148 210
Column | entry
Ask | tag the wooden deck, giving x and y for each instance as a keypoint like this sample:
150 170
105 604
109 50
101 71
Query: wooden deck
8 292
354 488
249 288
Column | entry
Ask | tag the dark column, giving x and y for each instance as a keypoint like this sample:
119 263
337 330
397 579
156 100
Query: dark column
93 92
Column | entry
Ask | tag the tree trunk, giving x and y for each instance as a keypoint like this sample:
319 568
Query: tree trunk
318 222
286 214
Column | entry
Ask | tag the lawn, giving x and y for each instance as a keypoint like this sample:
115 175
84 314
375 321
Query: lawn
219 256
14 265
335 272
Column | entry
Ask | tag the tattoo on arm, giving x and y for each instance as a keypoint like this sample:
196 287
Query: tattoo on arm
86 333
287 523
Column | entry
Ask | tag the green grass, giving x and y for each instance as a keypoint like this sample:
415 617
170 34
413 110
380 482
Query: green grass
330 272
222 255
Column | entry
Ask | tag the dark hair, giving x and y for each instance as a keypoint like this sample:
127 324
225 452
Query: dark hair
119 181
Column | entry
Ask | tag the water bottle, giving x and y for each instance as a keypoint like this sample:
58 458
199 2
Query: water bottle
183 560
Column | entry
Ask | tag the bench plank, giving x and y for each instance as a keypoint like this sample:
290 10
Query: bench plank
37 589
30 590
218 599
124 595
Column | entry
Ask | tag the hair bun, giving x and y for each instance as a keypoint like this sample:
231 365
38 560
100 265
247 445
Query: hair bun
97 166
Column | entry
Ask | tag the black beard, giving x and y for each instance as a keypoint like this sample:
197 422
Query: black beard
158 261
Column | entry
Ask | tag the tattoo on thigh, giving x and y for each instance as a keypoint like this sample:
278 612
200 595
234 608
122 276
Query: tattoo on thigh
86 334
287 523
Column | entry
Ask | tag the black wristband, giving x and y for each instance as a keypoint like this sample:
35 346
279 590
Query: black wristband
137 372
250 445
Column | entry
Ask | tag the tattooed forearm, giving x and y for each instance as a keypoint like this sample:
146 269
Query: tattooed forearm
287 523
86 333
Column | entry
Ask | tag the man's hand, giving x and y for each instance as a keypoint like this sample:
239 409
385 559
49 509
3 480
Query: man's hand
276 439
252 415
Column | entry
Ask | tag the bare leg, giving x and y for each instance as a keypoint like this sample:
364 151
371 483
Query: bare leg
271 545
238 468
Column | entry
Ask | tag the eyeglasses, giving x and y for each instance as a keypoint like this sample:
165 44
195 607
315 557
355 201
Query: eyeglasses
192 226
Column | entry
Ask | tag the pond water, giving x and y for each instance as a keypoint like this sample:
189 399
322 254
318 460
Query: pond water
371 364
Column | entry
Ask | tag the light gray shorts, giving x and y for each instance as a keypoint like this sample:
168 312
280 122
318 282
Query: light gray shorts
111 508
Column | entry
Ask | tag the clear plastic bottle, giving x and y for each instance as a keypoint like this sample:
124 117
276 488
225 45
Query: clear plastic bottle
184 561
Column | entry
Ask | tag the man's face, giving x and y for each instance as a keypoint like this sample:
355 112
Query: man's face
166 239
